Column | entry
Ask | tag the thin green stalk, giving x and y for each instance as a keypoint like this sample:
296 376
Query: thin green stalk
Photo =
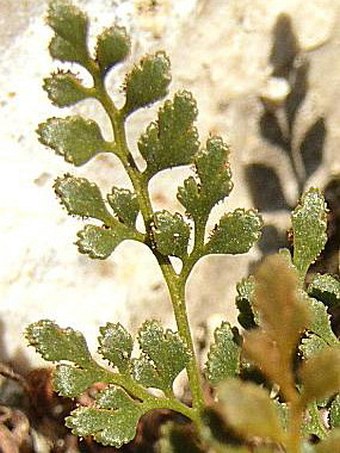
174 405
175 285
127 383
197 251
176 288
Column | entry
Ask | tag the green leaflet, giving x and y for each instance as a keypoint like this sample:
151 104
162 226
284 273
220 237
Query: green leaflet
56 344
74 138
100 242
282 412
311 345
244 303
112 421
171 234
113 398
172 140
125 205
62 50
115 345
224 356
164 356
68 21
145 372
214 184
236 233
325 288
71 382
113 46
321 325
147 82
70 25
65 89
309 222
318 384
240 401
311 423
113 417
334 413
82 197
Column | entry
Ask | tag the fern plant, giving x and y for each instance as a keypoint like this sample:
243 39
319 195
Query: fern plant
169 141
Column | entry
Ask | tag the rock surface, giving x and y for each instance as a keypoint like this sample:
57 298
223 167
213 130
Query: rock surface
220 50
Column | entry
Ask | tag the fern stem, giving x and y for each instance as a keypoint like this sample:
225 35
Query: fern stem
176 288
172 404
176 285
168 402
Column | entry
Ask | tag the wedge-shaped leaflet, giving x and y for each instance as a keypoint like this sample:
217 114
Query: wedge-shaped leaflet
75 138
283 309
62 50
145 372
334 412
56 344
112 421
164 356
248 409
70 381
68 21
147 82
70 25
125 205
320 375
115 345
321 324
172 140
214 180
309 221
99 242
82 197
244 303
224 356
171 234
236 233
311 345
65 89
325 288
113 46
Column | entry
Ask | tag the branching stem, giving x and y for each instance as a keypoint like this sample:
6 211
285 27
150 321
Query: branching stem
175 284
